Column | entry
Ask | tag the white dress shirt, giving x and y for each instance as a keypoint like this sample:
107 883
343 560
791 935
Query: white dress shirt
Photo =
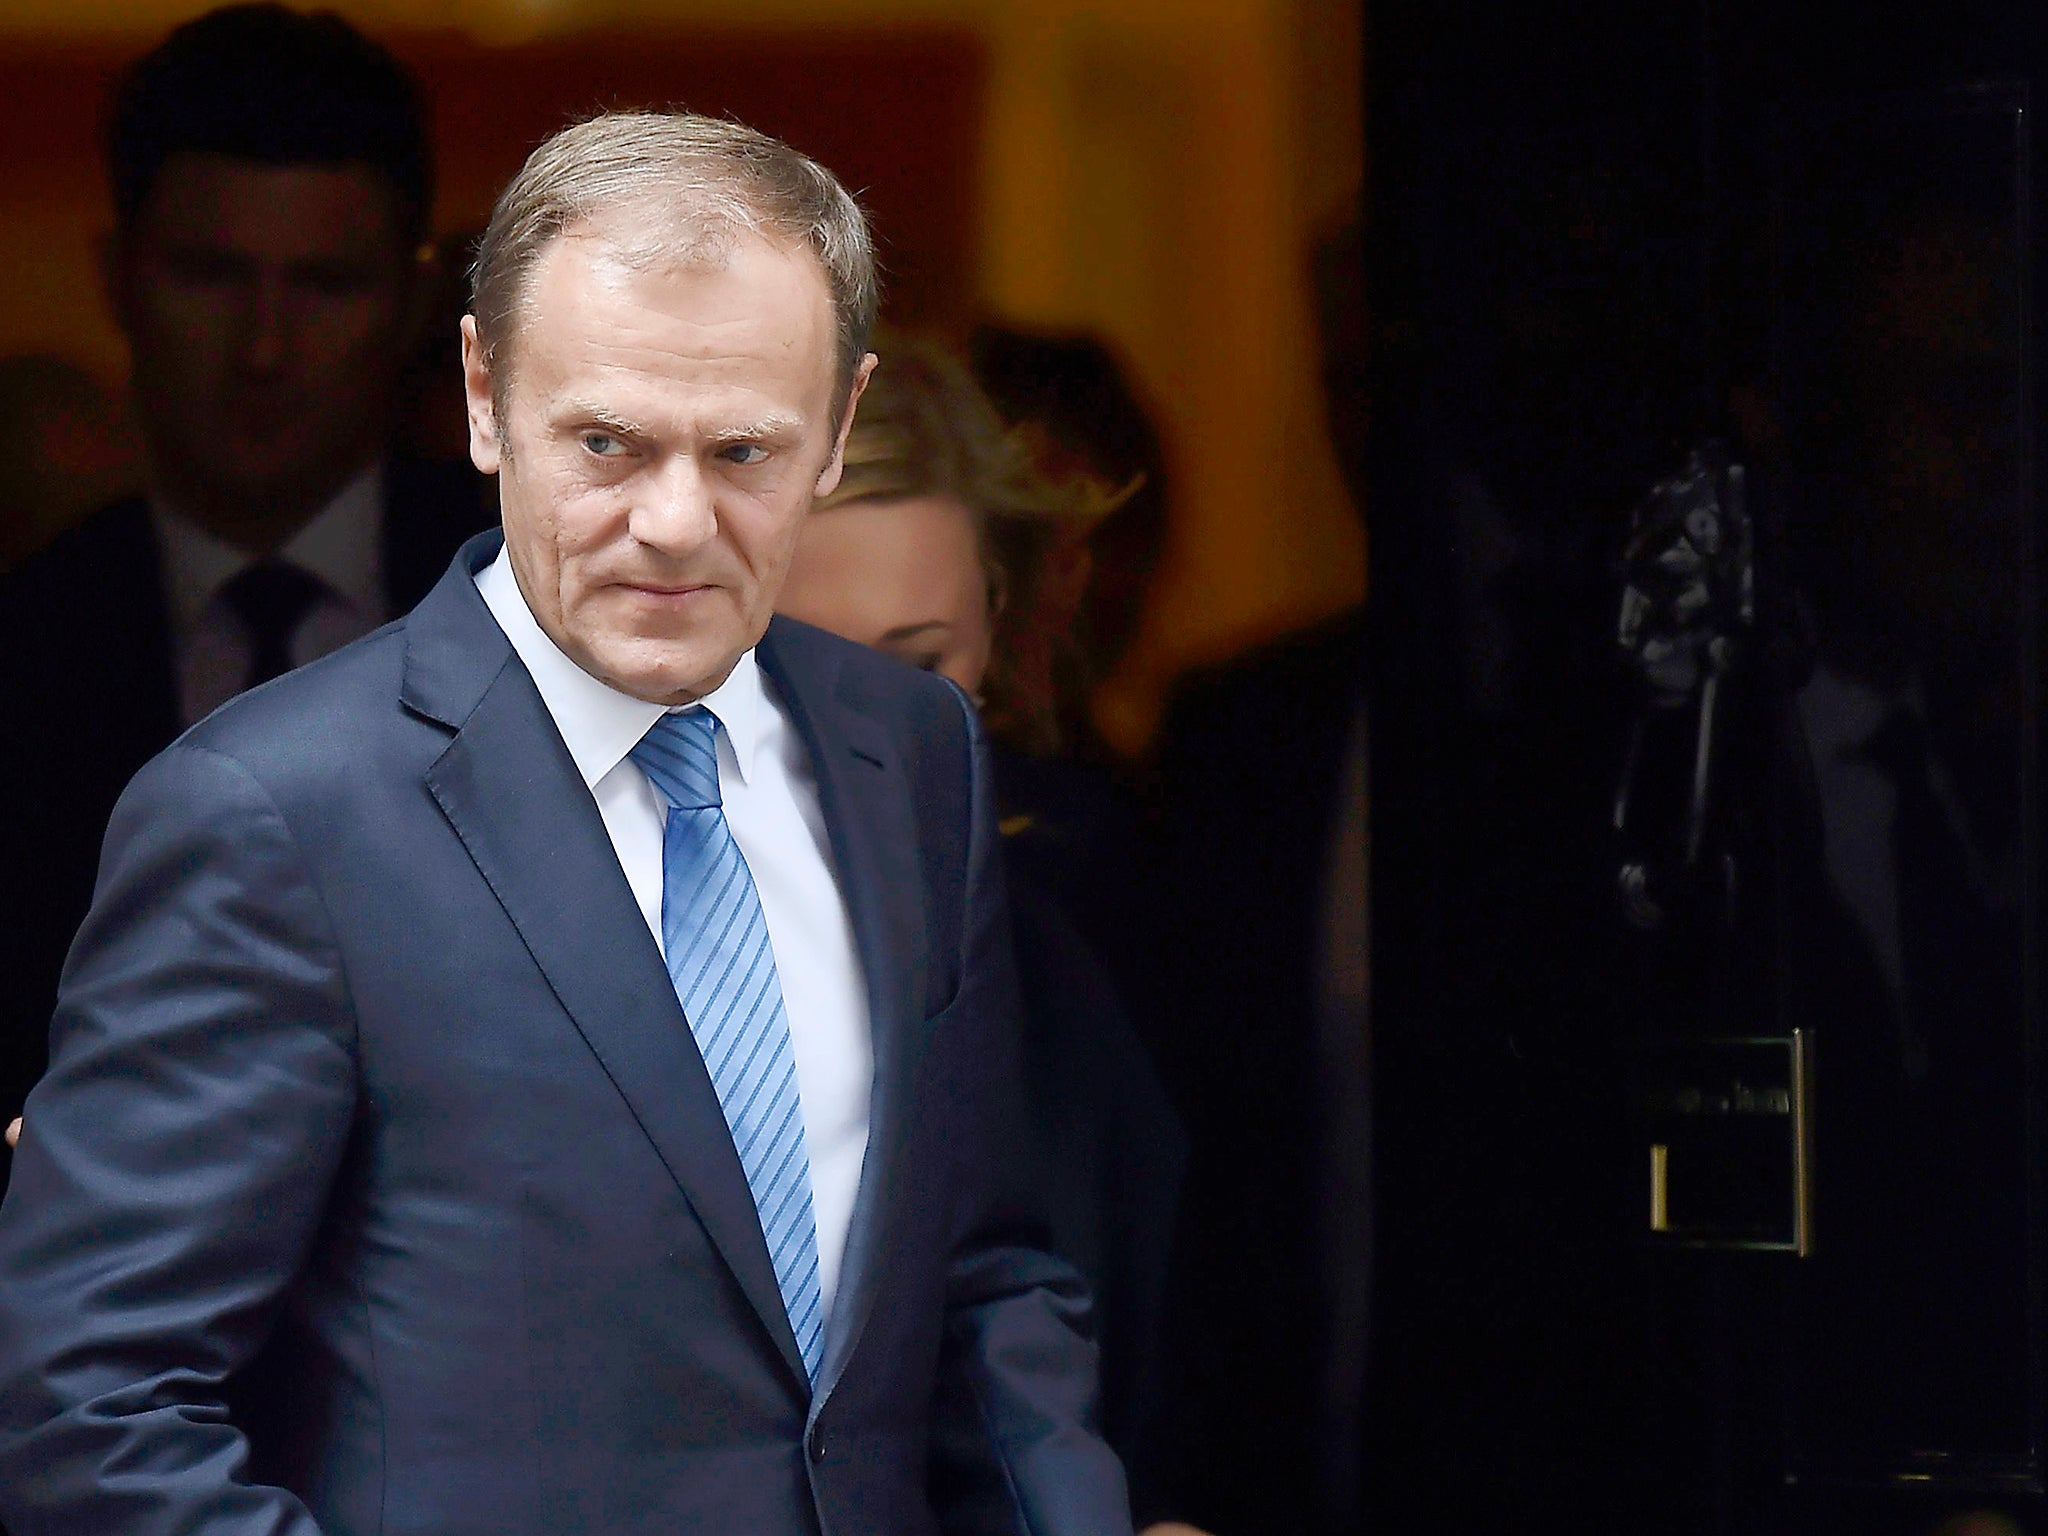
771 804
342 546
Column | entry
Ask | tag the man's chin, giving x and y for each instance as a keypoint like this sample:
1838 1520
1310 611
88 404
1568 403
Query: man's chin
256 500
256 510
679 679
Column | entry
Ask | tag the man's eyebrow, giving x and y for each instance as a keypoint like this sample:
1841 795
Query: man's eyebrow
602 416
771 426
909 631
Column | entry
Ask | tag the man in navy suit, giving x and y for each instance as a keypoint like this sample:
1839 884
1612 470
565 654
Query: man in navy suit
271 187
551 1067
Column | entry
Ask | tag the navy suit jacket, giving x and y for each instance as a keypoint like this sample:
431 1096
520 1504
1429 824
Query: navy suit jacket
89 691
376 1186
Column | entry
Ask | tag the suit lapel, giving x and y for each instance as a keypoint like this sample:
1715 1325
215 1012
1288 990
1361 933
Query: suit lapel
511 792
865 794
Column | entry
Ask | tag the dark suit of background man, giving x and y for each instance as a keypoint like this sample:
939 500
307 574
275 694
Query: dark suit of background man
271 187
552 1066
1258 1018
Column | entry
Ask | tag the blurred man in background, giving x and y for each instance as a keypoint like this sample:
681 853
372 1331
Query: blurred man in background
272 189
1258 1021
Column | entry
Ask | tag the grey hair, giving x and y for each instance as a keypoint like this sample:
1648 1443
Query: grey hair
705 180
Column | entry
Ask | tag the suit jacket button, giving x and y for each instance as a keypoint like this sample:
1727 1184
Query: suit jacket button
817 1442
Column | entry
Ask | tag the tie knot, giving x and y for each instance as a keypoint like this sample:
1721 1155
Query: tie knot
270 597
680 754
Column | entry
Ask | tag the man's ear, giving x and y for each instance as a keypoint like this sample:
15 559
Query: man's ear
828 477
485 446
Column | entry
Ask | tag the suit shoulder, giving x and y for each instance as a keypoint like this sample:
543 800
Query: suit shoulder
321 714
84 619
86 567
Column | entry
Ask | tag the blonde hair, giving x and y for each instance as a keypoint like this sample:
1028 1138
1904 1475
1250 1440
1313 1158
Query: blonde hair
704 181
924 428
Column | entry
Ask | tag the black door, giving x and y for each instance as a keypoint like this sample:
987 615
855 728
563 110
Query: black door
1604 236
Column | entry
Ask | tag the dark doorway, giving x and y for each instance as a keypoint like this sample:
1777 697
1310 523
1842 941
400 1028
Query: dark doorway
1610 242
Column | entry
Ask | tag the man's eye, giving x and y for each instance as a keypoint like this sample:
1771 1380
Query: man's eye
205 269
602 445
744 454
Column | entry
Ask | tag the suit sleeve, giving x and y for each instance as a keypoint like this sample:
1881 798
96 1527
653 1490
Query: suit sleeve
1016 1446
175 1166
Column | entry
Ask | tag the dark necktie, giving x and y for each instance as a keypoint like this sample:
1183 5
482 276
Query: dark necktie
271 599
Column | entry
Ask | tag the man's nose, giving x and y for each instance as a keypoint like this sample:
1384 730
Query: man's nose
266 324
676 511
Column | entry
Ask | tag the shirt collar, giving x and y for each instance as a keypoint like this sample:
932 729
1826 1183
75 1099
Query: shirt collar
599 724
339 545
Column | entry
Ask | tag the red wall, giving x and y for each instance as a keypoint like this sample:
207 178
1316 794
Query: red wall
895 114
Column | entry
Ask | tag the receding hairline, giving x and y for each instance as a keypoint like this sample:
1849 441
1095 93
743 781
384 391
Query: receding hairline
691 243
673 185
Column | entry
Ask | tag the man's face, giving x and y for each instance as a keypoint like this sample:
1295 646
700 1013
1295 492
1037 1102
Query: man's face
269 310
665 428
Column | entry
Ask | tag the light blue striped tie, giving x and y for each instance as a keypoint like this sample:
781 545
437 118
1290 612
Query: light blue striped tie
716 943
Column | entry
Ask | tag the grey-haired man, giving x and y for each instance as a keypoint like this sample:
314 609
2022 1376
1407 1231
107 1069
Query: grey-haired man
551 1066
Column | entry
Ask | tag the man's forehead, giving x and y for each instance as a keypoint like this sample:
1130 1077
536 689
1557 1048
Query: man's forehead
589 289
643 238
285 210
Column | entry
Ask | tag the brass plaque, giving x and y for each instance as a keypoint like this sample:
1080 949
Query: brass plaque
1726 1132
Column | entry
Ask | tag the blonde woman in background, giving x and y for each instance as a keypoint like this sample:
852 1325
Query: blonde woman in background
944 545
